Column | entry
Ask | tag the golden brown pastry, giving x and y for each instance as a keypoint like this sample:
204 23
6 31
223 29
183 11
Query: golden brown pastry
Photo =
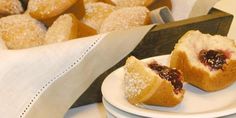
21 31
8 7
152 83
66 27
95 14
125 18
208 62
48 10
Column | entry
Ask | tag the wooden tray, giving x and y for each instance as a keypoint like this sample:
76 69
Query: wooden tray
161 40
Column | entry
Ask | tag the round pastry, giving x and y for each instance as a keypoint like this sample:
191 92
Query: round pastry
67 27
21 31
95 14
129 3
126 18
48 10
208 62
152 83
8 7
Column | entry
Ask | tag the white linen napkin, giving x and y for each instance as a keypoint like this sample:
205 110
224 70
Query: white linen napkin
183 9
43 82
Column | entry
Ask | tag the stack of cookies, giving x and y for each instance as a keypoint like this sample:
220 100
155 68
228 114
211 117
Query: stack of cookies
42 22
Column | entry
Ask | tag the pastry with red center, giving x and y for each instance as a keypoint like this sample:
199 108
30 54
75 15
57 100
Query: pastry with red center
208 62
152 83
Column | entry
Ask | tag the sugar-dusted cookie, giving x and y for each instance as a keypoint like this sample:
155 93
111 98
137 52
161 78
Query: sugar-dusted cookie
96 13
67 27
126 18
21 31
48 10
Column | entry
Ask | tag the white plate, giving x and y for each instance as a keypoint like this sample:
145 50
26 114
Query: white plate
196 103
113 112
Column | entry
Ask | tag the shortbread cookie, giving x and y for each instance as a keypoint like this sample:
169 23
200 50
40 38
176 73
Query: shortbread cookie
95 14
126 18
21 31
63 29
48 10
67 27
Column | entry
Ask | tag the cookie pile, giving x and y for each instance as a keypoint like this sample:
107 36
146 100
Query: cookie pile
42 22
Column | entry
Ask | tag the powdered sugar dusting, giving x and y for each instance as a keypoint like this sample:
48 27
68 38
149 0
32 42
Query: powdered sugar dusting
60 29
134 83
21 31
48 6
125 18
95 14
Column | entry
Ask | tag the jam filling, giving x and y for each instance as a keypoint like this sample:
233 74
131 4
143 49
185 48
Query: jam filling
215 59
172 75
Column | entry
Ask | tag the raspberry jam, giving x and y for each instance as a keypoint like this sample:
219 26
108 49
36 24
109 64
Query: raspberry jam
172 75
215 59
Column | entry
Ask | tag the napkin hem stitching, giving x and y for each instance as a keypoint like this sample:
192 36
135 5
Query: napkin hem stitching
74 63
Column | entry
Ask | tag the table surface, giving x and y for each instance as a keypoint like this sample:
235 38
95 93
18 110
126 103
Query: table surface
97 109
